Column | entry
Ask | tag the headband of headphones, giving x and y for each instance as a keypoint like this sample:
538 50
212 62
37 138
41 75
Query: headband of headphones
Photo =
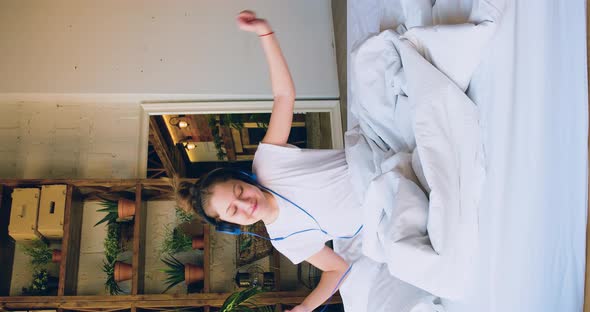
238 174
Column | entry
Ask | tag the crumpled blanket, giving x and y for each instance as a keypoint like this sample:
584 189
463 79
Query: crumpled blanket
416 156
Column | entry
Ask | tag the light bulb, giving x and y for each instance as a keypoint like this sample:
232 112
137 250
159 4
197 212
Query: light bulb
182 124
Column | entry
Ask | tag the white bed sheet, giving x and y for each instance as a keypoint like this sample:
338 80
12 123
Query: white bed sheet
532 92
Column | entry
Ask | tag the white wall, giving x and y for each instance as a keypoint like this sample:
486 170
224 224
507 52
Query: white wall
68 140
165 47
75 72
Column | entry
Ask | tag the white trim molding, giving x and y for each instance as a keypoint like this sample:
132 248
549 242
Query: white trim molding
236 107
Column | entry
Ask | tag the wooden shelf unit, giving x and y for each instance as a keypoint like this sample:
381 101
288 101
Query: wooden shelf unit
80 190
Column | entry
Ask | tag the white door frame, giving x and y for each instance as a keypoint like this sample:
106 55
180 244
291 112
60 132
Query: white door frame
238 107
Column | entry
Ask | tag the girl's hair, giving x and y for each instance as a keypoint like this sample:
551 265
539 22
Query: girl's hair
196 196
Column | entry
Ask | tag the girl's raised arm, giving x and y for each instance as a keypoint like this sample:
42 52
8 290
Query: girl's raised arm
282 84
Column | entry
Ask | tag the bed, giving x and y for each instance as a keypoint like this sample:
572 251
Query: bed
531 91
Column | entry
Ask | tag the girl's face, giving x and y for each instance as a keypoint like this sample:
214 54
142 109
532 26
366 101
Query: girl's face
237 202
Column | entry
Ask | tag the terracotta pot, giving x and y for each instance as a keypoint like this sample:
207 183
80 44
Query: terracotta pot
123 271
56 256
126 208
193 273
198 242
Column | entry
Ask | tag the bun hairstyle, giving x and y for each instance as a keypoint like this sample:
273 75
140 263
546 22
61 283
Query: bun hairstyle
196 196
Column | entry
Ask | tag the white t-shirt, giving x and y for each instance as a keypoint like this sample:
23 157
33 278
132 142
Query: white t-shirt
319 182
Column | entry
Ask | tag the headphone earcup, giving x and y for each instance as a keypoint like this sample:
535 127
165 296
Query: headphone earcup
228 228
251 176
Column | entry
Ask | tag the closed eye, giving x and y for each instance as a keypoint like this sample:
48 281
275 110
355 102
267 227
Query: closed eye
238 191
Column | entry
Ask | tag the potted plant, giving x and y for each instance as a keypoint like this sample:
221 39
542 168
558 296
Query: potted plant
178 272
111 284
42 284
116 271
244 301
40 253
116 210
175 241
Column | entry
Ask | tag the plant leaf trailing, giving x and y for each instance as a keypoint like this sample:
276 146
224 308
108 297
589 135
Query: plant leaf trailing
175 241
112 210
216 137
39 252
243 301
233 121
175 271
111 252
183 216
111 242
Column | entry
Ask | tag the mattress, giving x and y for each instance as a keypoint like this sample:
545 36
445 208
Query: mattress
531 91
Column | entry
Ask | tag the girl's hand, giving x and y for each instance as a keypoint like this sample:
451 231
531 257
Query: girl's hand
247 21
299 308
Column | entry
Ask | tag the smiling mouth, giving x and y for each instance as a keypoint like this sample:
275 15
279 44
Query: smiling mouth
254 208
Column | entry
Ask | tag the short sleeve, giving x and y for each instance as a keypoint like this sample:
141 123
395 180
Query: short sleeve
270 161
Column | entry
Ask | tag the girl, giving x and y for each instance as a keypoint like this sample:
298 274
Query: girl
303 196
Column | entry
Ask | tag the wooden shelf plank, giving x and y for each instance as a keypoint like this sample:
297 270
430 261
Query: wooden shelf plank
70 250
157 189
107 183
207 262
206 258
139 234
147 301
5 202
276 268
6 243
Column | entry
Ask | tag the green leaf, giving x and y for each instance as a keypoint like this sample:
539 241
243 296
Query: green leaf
243 301
175 272
183 216
39 252
175 241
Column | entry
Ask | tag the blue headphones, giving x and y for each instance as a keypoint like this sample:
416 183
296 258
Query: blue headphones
234 229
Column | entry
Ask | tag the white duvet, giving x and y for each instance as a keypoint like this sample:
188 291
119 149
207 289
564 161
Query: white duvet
417 160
